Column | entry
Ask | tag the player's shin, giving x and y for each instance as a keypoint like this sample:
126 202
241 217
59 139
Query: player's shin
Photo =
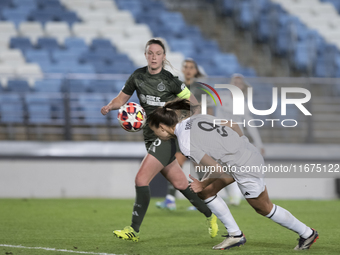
196 201
141 206
218 207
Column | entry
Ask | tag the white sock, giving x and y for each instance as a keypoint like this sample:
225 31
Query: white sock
286 219
218 207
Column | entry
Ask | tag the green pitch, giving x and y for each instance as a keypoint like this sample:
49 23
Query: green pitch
86 225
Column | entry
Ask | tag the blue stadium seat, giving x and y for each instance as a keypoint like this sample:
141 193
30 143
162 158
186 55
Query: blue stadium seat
103 44
75 44
5 3
18 86
86 68
64 55
77 86
14 15
55 68
22 43
103 86
10 98
23 2
186 46
69 17
41 16
47 43
38 107
44 4
48 86
11 113
39 56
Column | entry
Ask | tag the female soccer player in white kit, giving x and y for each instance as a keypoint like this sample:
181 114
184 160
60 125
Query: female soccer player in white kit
225 111
224 147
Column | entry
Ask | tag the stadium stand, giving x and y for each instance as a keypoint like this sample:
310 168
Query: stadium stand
42 37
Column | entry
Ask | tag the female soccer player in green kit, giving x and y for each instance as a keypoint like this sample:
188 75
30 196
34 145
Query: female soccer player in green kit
155 86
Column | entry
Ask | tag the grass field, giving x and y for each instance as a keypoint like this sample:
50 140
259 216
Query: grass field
85 225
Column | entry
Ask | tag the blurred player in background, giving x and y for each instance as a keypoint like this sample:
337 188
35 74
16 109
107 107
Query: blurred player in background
226 112
191 73
155 86
206 144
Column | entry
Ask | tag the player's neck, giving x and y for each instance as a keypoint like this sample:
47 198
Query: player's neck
154 71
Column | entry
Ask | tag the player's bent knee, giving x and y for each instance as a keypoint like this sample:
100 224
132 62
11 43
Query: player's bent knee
140 181
180 185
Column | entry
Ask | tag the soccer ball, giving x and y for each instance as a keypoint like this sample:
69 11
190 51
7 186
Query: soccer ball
132 117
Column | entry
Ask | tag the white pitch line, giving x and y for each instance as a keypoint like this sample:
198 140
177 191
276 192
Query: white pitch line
54 249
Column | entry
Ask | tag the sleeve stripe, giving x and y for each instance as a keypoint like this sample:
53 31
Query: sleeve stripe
185 93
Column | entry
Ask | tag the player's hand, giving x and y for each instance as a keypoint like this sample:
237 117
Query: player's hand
105 110
196 186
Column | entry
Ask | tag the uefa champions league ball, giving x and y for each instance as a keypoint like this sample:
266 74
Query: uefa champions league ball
132 117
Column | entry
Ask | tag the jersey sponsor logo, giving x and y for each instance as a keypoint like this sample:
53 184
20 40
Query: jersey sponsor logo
161 87
153 100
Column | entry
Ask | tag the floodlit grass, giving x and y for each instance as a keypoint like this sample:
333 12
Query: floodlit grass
87 225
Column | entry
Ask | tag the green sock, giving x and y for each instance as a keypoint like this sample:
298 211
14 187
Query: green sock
171 190
140 207
196 201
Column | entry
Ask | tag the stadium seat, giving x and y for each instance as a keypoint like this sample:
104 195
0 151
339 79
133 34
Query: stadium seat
18 86
7 30
12 57
48 85
102 86
48 44
21 43
59 30
12 113
75 44
37 55
15 15
32 30
30 70
87 32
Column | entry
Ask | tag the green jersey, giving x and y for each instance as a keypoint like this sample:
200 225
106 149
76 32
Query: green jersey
153 91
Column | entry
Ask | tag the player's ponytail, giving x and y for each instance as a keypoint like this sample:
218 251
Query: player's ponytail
171 113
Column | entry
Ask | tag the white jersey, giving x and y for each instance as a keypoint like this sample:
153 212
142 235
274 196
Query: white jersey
226 112
198 136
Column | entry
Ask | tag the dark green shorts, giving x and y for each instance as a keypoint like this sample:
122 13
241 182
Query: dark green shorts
162 150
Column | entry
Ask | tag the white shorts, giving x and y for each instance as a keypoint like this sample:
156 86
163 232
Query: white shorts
251 184
252 188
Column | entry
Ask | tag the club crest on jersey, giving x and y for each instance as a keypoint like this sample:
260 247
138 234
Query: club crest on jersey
142 98
161 87
141 84
182 86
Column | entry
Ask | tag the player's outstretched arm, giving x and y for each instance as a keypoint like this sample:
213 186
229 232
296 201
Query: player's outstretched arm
115 103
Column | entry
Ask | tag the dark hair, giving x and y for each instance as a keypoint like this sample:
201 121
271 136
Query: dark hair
168 114
155 41
198 74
